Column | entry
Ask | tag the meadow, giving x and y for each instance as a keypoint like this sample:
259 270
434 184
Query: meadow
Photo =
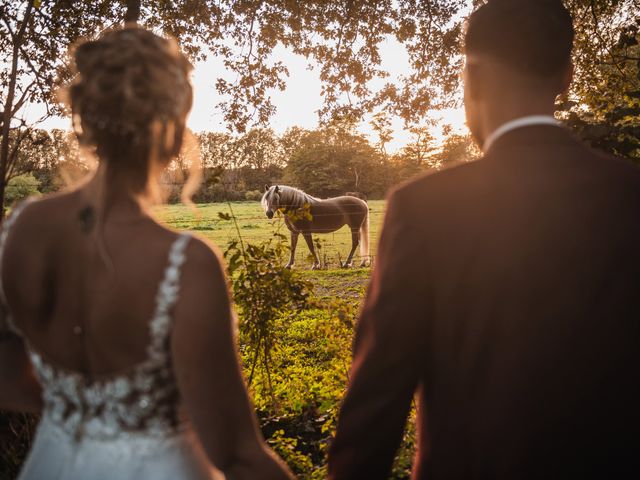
255 227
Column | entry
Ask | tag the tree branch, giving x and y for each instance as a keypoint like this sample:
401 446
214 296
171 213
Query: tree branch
23 97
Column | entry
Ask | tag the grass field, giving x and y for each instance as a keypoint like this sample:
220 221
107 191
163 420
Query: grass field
255 227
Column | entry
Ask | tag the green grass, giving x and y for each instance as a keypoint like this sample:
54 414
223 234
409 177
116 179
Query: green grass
255 227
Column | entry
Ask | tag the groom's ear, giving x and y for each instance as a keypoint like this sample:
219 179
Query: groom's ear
567 78
473 80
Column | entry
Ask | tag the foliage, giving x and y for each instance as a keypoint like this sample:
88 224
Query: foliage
381 124
253 195
309 376
16 433
422 154
603 107
343 39
335 160
617 131
311 360
302 345
56 162
329 161
286 448
262 290
456 148
34 36
606 54
414 158
21 187
406 453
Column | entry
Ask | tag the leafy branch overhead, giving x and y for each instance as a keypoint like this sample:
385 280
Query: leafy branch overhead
342 39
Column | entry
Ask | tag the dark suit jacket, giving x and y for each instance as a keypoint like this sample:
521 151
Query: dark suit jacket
506 293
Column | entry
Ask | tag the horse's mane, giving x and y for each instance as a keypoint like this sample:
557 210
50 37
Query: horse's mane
290 197
294 197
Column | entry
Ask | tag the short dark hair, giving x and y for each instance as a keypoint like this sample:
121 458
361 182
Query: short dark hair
534 37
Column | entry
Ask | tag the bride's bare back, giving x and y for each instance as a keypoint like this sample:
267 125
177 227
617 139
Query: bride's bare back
85 305
128 324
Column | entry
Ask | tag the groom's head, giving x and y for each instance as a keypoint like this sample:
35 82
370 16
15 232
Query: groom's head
518 59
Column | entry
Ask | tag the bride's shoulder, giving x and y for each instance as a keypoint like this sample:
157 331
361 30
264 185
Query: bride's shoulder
40 212
204 291
202 257
27 231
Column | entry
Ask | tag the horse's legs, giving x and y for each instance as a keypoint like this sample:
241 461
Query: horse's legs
309 240
294 243
355 240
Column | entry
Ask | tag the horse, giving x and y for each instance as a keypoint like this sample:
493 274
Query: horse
306 215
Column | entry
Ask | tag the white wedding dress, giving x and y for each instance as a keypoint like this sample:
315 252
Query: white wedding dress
127 426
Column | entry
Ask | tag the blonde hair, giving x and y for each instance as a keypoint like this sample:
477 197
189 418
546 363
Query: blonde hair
129 101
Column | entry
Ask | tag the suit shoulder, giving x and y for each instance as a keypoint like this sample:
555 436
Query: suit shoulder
624 166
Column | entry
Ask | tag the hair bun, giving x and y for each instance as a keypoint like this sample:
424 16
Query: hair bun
127 81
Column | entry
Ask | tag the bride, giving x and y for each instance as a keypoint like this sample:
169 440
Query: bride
118 330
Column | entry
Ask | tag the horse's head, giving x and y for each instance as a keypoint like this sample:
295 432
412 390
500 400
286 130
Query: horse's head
271 200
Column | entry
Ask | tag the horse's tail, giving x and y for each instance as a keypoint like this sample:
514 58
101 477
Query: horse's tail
364 238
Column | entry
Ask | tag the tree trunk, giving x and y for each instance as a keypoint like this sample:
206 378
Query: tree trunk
132 14
8 104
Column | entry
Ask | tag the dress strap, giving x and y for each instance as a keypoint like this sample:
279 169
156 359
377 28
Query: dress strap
166 298
4 234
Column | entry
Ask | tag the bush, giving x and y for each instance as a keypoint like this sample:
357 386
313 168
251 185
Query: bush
16 432
263 291
253 195
21 187
217 192
309 375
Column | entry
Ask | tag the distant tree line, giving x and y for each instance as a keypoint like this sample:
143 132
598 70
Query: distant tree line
329 161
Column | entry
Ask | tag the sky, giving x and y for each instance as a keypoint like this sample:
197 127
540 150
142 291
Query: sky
297 105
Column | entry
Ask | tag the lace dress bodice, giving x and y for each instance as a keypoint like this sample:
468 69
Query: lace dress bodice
143 401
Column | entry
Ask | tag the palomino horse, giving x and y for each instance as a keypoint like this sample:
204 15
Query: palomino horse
306 215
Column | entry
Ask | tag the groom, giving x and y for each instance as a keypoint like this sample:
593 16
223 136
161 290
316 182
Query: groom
507 291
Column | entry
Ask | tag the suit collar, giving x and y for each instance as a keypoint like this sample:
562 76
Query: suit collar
533 135
517 123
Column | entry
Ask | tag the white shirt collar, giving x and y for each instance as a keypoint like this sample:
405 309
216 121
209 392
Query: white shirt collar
518 123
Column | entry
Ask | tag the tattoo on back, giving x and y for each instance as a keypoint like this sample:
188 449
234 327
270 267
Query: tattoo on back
87 219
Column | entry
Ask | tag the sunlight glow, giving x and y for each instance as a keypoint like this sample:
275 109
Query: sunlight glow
297 105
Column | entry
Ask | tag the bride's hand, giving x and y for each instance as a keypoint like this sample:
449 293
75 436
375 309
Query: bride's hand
19 389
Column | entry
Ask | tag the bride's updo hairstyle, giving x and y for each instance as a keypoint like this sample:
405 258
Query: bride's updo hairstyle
129 101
